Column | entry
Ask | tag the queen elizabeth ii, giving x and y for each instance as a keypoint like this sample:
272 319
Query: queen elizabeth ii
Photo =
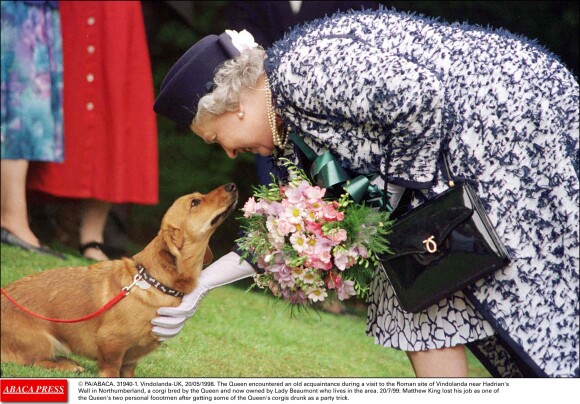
380 86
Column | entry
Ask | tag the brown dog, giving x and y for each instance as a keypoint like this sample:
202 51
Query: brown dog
122 335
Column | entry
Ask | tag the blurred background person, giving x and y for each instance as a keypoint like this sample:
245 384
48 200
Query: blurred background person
32 127
110 130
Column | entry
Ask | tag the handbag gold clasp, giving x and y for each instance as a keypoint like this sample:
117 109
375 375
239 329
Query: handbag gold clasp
430 244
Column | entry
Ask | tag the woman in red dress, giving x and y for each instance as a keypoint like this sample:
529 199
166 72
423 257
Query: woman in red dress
110 128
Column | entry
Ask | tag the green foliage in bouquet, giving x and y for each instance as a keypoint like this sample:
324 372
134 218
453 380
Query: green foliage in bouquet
369 227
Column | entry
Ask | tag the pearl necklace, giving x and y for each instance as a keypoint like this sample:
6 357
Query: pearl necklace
279 140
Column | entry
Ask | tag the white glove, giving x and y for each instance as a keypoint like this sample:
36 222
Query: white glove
226 270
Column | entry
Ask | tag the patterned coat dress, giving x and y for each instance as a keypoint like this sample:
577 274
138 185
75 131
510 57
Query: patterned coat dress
371 85
31 116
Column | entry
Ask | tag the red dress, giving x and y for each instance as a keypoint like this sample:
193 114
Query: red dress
110 132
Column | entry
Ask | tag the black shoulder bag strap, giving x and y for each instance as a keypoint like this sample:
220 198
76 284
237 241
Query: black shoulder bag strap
404 202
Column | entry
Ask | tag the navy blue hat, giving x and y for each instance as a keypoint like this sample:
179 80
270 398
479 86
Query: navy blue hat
191 77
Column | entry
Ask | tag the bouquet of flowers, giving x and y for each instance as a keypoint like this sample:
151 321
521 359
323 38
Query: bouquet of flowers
309 246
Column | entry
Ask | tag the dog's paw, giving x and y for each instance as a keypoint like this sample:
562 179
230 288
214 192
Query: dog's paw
66 365
77 369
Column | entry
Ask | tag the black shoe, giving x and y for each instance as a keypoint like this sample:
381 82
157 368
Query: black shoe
92 244
7 237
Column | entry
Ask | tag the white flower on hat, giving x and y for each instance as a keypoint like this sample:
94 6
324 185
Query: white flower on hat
242 40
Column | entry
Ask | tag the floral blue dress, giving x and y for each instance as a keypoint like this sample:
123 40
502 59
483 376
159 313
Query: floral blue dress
32 121
371 85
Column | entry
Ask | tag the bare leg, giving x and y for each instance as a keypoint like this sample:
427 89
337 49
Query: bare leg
446 362
14 211
94 214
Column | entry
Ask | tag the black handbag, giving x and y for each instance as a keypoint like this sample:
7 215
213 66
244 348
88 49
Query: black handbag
440 247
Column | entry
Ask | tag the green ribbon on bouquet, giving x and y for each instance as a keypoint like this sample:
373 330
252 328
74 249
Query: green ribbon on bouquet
326 172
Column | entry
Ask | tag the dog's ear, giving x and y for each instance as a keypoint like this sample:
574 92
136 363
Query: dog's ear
208 256
173 238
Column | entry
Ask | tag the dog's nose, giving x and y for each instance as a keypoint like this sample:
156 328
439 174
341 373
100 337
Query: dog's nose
230 187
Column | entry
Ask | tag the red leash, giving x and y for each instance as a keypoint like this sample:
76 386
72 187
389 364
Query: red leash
124 292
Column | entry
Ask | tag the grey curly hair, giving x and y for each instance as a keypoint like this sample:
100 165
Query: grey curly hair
230 78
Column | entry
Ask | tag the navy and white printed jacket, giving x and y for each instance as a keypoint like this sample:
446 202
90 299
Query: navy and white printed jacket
375 85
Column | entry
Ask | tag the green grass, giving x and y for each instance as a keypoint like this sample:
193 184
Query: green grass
236 333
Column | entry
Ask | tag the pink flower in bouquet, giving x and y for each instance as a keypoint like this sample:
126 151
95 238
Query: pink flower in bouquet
275 267
286 281
284 226
337 235
330 214
294 297
333 281
345 290
345 259
362 251
314 228
276 239
314 194
320 262
283 275
316 207
249 207
339 214
341 259
323 245
274 208
295 196
319 256
265 208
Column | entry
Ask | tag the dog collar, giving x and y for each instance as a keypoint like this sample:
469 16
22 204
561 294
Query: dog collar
156 284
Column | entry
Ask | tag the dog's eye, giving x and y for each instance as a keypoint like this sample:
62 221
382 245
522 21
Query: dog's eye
195 202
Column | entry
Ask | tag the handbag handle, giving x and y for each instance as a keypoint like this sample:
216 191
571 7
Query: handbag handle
450 179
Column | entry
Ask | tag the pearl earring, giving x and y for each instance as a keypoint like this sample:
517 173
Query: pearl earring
241 115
